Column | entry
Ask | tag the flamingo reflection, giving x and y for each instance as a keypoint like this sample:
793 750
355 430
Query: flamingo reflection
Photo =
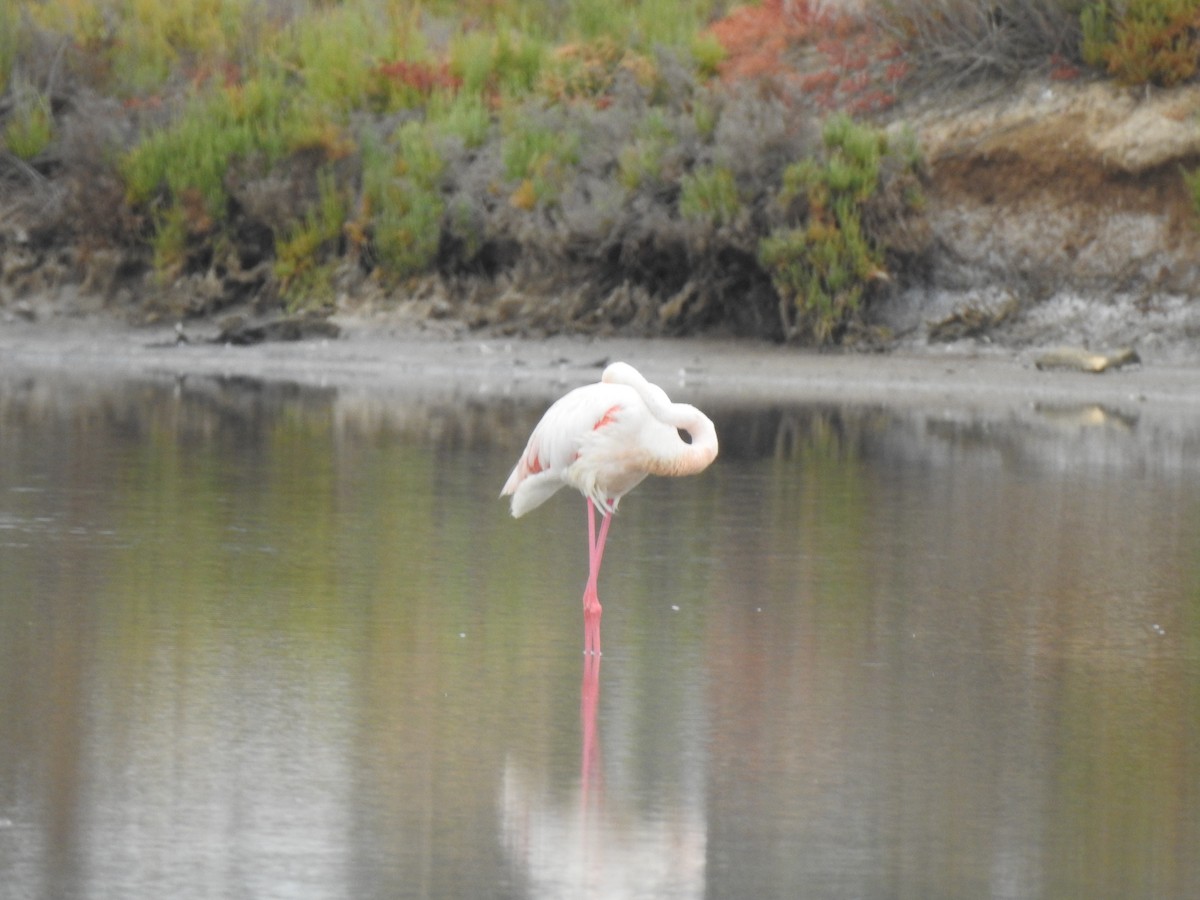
593 844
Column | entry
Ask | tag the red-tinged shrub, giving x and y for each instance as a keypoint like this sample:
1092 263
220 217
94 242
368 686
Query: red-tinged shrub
856 62
875 101
405 83
897 71
756 39
774 42
825 80
856 83
1061 70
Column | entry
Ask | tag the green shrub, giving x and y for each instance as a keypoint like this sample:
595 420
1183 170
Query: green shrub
501 64
709 195
183 167
304 255
136 47
708 53
218 126
640 161
706 113
341 53
169 242
9 43
854 156
400 191
461 115
820 259
1096 27
30 125
644 24
538 157
1191 180
590 70
821 270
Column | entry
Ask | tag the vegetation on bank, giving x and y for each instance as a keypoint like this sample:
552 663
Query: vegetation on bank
695 165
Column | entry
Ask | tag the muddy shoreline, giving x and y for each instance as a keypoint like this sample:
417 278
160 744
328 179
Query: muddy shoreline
724 372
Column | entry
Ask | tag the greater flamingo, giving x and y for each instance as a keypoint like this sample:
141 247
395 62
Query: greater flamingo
603 439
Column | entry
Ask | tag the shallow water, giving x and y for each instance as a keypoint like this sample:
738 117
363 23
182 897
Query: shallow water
259 641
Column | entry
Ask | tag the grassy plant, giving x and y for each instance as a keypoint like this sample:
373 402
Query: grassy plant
706 114
169 242
855 152
1191 180
142 43
217 127
404 204
582 70
332 51
538 157
343 54
308 125
708 53
709 195
518 61
647 22
501 64
1096 30
30 125
419 160
10 17
644 24
462 115
640 161
821 264
303 255
183 168
590 70
409 84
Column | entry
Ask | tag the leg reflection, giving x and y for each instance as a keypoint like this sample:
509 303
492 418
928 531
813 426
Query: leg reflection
591 771
597 842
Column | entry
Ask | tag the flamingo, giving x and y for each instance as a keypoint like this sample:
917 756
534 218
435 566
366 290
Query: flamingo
603 439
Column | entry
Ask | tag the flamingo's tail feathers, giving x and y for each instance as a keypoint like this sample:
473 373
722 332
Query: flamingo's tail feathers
532 492
514 481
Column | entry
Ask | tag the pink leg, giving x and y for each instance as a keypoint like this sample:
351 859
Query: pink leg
591 598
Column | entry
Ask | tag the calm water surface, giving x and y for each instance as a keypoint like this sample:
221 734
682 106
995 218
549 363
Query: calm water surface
257 641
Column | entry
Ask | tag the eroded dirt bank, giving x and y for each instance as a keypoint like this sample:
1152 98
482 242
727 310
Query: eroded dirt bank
1059 212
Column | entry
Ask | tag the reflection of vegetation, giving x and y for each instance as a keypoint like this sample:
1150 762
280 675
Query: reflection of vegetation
1115 739
831 497
264 582
221 549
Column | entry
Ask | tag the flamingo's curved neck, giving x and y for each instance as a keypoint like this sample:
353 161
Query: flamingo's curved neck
689 458
682 458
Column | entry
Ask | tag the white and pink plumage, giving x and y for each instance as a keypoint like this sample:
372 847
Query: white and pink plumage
603 439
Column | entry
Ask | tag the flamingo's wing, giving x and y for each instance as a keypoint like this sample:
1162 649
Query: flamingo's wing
556 442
